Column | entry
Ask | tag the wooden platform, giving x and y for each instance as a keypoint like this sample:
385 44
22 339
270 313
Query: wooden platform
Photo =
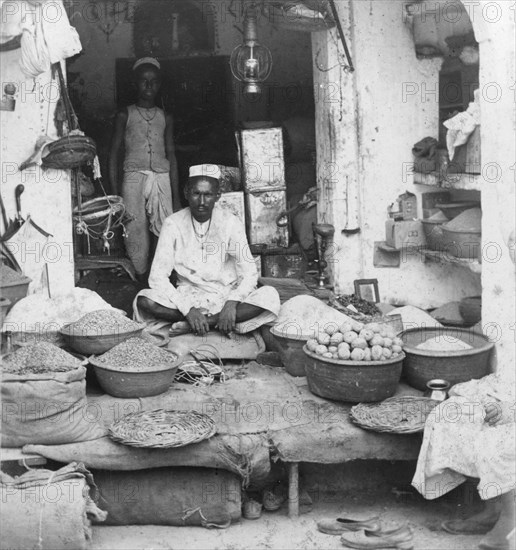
262 414
21 458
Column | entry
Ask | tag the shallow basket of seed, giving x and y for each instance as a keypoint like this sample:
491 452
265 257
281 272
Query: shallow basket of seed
161 429
99 331
405 414
135 368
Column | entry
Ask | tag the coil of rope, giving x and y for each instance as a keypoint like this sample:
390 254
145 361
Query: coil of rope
202 369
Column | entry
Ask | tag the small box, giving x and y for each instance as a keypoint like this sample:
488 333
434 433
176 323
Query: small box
234 202
262 210
400 234
279 264
262 159
405 207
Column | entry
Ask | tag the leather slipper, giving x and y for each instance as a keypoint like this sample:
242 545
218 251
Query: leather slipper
466 527
344 525
487 546
401 539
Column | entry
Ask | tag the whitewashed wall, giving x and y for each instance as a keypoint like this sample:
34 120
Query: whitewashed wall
495 30
367 123
366 126
47 196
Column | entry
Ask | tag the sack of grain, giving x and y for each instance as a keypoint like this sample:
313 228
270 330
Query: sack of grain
170 496
37 318
46 509
302 317
43 396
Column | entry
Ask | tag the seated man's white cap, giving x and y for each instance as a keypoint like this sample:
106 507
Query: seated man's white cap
205 171
147 61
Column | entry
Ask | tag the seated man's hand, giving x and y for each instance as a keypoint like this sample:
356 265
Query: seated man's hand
198 321
227 317
498 412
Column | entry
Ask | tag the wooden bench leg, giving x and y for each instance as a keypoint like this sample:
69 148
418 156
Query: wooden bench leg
293 489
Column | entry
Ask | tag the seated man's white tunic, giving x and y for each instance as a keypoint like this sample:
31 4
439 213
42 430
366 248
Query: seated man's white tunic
458 443
210 270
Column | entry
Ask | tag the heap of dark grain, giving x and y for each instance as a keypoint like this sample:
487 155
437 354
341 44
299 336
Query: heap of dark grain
8 275
135 355
39 358
362 306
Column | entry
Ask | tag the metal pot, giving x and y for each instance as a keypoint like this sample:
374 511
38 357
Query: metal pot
437 389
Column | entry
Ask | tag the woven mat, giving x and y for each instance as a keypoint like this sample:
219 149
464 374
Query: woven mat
402 415
160 429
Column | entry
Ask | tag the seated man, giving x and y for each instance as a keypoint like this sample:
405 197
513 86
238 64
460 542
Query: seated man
207 248
472 434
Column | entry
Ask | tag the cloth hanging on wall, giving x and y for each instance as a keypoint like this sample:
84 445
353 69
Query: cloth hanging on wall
47 36
462 125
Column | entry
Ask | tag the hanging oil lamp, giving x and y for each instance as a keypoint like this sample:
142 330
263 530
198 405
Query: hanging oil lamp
251 62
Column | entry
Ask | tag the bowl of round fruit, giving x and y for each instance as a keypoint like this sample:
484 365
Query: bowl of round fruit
354 362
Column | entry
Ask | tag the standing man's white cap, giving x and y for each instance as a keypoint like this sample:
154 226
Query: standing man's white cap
147 61
205 171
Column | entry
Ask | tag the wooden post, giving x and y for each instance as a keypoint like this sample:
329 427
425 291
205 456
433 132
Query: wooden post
293 490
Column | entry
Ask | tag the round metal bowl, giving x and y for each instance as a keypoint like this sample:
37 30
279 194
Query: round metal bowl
291 353
352 381
95 344
119 383
421 365
462 244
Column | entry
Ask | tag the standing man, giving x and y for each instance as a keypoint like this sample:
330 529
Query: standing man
207 248
150 186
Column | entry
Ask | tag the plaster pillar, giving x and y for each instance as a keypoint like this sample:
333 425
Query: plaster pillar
337 150
494 26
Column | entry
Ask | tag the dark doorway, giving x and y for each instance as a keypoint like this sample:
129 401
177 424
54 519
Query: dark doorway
199 93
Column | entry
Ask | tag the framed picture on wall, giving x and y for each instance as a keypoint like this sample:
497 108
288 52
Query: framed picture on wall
367 289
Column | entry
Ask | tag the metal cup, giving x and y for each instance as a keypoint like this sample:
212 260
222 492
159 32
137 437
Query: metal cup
437 389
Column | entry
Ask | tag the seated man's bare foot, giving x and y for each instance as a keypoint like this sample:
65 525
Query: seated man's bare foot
180 327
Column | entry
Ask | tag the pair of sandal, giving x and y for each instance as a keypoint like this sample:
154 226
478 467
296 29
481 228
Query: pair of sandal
367 534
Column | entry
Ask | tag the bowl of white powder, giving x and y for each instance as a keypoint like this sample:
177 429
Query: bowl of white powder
453 354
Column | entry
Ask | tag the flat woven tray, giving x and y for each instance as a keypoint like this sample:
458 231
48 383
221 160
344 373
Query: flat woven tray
160 429
401 415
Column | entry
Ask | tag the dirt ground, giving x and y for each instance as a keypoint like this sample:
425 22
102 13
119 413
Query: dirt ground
274 530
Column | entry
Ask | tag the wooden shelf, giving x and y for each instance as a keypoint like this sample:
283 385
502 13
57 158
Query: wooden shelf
446 258
467 182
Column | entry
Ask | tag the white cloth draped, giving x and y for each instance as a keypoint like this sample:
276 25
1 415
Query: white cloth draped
458 443
158 199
